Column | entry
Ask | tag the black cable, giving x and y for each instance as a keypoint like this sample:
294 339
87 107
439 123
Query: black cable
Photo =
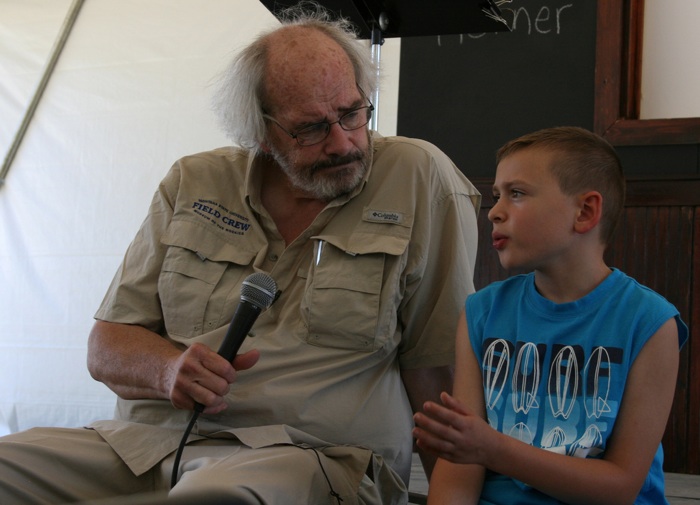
183 442
333 492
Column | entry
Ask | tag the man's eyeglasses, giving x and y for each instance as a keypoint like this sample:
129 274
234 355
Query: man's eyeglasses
317 132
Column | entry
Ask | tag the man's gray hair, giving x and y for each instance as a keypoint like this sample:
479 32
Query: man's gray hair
238 99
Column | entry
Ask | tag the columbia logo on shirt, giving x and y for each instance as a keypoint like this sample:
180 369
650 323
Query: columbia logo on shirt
383 216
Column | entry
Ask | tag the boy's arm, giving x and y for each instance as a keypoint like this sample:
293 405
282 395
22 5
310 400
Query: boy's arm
453 483
618 477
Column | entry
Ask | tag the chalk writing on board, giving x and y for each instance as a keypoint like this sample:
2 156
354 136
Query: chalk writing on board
473 93
542 20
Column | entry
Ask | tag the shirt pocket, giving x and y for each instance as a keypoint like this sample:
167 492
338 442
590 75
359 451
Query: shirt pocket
346 303
199 273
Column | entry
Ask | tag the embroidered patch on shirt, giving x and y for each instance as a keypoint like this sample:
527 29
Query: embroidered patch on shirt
383 216
220 216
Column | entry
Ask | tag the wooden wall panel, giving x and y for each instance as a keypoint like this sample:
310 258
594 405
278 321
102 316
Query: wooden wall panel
654 245
692 443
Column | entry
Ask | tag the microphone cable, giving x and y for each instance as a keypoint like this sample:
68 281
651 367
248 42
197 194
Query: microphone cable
183 443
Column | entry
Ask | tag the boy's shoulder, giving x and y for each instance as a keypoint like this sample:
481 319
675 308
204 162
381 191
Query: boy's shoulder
628 284
618 280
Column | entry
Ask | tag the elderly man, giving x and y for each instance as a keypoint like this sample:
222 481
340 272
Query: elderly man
371 243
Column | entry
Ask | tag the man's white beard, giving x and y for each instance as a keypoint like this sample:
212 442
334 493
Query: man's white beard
312 179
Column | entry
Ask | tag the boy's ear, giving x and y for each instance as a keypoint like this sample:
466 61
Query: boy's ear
590 211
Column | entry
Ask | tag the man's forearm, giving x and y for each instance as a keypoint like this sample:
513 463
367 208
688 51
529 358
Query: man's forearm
131 360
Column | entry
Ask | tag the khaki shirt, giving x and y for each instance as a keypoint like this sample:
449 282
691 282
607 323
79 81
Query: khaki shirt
373 286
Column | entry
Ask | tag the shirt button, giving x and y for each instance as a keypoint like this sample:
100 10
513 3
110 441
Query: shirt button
273 257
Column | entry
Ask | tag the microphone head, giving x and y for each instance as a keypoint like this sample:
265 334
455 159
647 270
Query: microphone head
259 289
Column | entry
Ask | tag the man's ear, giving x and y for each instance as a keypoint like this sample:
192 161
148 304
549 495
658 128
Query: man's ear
590 211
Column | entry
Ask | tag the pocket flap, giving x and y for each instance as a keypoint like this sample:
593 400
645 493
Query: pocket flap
370 243
210 245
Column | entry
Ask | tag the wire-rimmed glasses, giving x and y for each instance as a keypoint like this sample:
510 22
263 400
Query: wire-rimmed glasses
317 132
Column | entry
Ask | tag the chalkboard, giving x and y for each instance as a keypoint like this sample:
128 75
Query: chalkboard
470 93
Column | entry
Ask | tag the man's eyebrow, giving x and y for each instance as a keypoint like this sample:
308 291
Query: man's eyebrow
355 105
358 103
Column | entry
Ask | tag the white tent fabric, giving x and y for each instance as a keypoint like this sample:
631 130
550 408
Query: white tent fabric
129 95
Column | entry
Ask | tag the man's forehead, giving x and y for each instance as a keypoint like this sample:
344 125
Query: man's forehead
307 66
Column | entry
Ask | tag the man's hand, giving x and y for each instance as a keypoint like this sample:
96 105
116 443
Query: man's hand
200 375
139 364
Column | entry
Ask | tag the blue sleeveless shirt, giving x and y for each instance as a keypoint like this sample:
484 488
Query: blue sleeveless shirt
554 374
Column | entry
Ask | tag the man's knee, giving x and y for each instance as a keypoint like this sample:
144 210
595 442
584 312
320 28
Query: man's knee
270 475
59 465
226 495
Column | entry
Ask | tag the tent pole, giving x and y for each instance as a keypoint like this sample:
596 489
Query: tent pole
55 53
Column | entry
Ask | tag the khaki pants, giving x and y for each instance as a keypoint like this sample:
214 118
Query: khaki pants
57 465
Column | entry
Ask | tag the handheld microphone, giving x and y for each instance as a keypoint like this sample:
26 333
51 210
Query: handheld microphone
257 293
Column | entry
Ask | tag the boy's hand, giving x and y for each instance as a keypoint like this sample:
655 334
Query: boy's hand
451 431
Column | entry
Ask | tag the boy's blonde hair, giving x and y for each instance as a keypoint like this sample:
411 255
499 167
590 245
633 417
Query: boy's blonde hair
583 161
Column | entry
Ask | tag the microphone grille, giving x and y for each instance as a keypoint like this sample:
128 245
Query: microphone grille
259 289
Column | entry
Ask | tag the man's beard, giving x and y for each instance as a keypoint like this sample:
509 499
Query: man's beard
321 180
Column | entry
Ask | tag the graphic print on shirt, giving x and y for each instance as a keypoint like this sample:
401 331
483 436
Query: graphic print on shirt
563 383
526 378
522 432
552 396
221 217
589 444
496 363
598 368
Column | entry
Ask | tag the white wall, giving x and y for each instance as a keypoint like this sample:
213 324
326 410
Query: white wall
128 97
670 59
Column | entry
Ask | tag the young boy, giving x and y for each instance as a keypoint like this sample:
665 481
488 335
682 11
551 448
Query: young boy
564 376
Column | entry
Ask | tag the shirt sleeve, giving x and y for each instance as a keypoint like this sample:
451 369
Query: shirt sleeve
132 297
438 285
